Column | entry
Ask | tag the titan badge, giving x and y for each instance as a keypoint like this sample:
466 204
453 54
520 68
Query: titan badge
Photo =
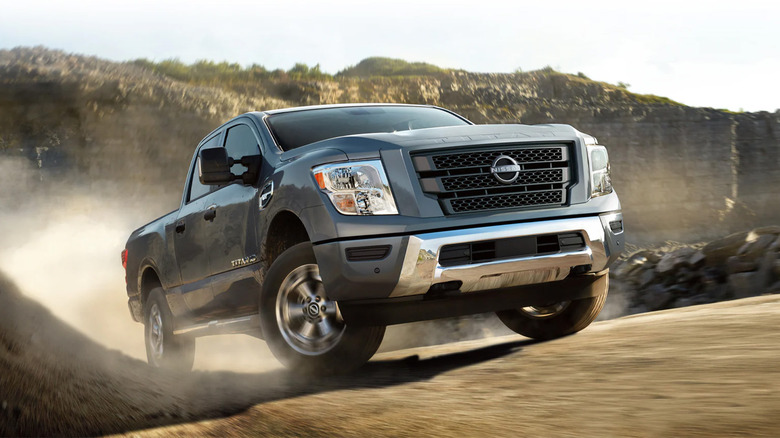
244 261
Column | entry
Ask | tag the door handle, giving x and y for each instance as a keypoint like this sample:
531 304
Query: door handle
180 226
210 213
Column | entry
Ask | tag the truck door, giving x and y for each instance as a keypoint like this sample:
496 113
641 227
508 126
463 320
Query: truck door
233 242
191 241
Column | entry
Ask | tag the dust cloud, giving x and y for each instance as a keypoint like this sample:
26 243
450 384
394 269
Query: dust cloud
61 243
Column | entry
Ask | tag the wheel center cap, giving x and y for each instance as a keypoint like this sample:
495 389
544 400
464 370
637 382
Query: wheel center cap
313 309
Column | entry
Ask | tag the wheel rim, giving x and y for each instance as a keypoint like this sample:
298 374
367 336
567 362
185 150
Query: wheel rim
309 322
545 311
156 336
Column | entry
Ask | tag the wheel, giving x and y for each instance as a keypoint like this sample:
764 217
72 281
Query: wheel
163 348
556 319
303 328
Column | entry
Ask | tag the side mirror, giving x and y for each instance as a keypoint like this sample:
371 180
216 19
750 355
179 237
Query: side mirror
214 166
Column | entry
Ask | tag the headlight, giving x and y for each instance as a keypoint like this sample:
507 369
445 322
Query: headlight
356 188
600 180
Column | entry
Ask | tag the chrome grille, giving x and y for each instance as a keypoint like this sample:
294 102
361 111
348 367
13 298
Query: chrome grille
465 180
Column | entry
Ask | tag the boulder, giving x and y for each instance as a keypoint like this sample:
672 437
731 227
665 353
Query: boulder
657 297
776 268
718 251
766 268
736 264
697 260
682 302
679 290
631 265
745 284
771 229
775 246
753 250
717 291
674 260
646 278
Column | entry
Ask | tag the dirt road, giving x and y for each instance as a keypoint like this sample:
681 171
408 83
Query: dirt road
698 371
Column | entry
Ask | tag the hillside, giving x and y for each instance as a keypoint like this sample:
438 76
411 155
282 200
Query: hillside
683 173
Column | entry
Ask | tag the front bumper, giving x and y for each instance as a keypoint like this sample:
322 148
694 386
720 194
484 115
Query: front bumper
412 265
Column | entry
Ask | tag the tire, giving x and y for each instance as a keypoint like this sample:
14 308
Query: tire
302 327
163 348
556 319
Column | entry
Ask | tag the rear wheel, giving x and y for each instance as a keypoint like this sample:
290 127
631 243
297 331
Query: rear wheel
163 348
558 319
302 326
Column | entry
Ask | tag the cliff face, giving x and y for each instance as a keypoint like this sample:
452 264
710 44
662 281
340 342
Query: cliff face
682 173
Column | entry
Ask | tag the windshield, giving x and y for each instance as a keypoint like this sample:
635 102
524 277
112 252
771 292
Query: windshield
299 128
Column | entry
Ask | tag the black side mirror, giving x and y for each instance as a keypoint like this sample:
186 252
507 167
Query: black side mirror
214 166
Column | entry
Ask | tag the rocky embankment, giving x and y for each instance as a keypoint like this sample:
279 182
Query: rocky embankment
683 173
737 266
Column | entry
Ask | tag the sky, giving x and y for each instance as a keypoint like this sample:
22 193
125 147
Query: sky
701 53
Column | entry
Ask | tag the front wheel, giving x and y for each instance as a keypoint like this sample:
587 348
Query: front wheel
163 348
302 326
557 319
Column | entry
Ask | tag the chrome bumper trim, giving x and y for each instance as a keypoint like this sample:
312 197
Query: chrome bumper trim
421 268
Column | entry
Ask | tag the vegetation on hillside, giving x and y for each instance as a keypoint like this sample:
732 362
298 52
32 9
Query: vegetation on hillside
243 79
379 66
224 74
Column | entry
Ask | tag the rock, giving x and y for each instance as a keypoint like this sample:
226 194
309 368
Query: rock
674 260
766 269
682 302
646 278
775 246
702 299
679 290
651 256
688 276
714 275
736 264
697 260
771 229
718 251
774 288
657 297
745 284
754 249
776 268
631 265
718 291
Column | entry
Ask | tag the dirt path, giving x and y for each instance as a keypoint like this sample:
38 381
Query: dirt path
700 371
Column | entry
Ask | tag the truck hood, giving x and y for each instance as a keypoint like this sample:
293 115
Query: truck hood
472 133
367 146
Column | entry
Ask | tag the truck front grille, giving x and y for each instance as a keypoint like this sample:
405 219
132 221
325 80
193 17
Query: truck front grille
496 177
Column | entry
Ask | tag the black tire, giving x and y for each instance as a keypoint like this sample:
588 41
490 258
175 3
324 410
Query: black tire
163 348
304 329
557 319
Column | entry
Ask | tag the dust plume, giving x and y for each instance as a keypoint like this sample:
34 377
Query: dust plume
61 246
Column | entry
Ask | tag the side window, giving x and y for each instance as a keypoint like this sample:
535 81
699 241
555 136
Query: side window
239 142
196 188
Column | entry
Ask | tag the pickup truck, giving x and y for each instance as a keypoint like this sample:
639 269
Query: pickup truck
314 228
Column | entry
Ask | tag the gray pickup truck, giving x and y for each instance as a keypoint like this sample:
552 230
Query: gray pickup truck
316 227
